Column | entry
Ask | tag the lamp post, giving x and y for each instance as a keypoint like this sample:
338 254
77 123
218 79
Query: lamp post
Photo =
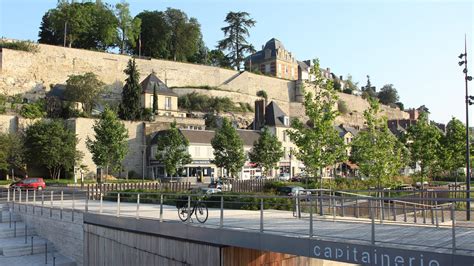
469 101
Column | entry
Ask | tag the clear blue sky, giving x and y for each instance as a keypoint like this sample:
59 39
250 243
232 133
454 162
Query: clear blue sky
411 44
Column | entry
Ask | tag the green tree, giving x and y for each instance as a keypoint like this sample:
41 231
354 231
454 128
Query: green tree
423 141
155 100
154 35
235 34
128 27
267 151
84 89
172 150
228 148
379 154
453 146
87 25
109 146
217 58
319 144
350 85
11 152
185 34
388 95
34 110
51 145
130 108
369 91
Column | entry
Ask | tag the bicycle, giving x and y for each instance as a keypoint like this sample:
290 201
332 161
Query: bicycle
198 208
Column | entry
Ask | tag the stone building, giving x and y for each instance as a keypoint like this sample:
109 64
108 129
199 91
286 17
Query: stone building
273 60
167 99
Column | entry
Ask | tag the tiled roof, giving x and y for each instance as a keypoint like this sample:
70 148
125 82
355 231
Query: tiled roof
161 89
274 115
205 136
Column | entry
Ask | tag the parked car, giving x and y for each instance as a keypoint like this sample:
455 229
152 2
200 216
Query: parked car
30 183
291 191
284 176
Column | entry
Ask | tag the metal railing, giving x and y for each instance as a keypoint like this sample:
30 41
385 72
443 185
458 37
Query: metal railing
394 220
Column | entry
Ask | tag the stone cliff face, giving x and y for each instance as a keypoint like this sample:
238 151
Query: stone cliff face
32 75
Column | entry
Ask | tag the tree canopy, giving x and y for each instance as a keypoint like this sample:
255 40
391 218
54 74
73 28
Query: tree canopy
172 150
388 95
235 40
51 145
319 144
128 27
109 145
228 148
84 89
379 154
369 91
267 151
453 151
11 152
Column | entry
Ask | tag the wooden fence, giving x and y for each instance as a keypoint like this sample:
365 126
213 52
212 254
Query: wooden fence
106 187
248 185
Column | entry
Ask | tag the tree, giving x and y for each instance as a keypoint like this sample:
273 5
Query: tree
235 37
109 146
453 146
11 152
87 25
154 35
228 148
172 150
129 108
400 105
379 154
155 100
369 91
128 27
84 89
350 85
51 145
217 58
423 141
388 95
319 144
185 34
267 151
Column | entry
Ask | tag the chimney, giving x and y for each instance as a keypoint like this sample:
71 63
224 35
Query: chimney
263 46
259 119
340 77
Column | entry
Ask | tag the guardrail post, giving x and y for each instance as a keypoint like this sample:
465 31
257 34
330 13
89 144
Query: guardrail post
14 196
442 213
261 215
8 195
414 213
10 212
100 203
432 215
19 198
188 220
42 202
34 201
342 206
405 212
310 217
161 208
453 226
221 223
321 203
138 207
51 201
26 196
86 208
394 210
372 238
118 204
61 206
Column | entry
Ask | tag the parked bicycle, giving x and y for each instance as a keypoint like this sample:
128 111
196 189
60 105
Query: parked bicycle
197 207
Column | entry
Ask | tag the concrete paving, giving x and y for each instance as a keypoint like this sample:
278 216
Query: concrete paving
351 230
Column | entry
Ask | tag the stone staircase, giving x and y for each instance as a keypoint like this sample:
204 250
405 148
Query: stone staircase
16 249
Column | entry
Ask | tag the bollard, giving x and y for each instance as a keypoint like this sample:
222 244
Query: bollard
138 207
261 215
61 206
118 204
453 226
221 223
161 208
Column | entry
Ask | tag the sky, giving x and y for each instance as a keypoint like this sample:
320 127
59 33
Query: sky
411 44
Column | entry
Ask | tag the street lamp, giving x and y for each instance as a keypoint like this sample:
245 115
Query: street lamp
469 101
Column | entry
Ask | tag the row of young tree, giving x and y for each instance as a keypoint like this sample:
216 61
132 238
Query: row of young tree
168 34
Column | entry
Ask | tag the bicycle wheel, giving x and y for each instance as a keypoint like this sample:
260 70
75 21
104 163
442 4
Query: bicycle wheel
183 213
201 212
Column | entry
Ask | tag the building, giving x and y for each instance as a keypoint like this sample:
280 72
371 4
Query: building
202 154
167 99
273 60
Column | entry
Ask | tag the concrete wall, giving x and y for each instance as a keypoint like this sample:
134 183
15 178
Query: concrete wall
65 233
107 246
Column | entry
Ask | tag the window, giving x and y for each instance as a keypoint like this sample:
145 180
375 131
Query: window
168 103
267 68
284 135
286 120
151 101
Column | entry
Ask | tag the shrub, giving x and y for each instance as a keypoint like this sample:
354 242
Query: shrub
342 107
20 45
203 103
33 110
262 94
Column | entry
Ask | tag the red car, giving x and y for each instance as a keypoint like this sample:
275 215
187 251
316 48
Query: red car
30 183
